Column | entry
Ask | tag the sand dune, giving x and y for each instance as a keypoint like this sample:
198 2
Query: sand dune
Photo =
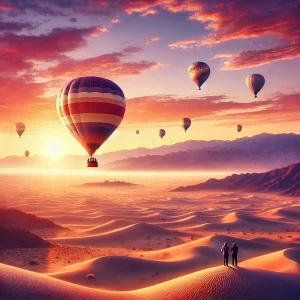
106 227
284 261
242 221
144 244
138 235
214 283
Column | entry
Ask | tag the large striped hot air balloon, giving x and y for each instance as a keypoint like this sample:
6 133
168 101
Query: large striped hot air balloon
26 153
255 82
20 128
186 123
199 72
161 133
91 108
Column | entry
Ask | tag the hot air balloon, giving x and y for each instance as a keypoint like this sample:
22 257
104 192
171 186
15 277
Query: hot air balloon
162 133
186 123
239 128
20 128
255 82
91 108
26 153
199 72
137 132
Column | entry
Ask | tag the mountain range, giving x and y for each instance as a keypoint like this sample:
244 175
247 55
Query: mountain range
286 181
258 153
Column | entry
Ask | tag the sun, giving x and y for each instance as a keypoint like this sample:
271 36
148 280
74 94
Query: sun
52 148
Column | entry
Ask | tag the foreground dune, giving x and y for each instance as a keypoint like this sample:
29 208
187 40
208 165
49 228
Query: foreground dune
215 283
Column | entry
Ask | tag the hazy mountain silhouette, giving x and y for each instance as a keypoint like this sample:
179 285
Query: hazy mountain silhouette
261 152
284 180
110 184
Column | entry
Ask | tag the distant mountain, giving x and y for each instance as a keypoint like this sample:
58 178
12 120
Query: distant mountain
19 238
285 180
258 153
110 184
13 218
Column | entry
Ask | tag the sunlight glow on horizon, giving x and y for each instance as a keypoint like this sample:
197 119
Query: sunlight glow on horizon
53 149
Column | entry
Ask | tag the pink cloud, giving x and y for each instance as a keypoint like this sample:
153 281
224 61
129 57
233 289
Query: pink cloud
247 59
152 40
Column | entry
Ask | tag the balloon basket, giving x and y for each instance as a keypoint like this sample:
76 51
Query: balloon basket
92 164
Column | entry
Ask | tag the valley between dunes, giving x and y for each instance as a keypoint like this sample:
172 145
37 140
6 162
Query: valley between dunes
146 242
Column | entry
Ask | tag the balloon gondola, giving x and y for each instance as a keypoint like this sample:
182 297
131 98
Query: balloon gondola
92 162
91 108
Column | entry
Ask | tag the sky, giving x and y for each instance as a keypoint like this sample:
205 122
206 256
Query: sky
146 47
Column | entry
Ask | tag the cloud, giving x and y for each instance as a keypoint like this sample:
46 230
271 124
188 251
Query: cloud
114 21
247 59
168 108
283 108
58 7
184 44
17 51
107 65
222 55
15 26
152 40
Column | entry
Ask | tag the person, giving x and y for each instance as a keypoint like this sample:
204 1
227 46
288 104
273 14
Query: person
225 251
234 253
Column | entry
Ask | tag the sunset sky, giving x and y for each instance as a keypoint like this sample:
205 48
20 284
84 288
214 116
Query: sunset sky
146 47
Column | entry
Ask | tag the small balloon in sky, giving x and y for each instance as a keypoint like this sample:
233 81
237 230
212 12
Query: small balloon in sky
255 82
137 132
161 133
186 123
239 128
27 153
199 72
20 128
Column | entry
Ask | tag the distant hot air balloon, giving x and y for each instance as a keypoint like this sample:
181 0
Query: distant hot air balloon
91 108
199 72
162 133
27 153
137 132
20 128
186 123
239 128
255 82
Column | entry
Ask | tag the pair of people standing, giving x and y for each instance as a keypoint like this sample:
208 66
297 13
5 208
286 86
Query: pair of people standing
234 252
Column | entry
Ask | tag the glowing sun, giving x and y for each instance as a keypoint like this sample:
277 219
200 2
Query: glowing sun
52 148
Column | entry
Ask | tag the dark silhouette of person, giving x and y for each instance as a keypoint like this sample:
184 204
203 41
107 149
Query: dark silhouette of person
225 251
234 252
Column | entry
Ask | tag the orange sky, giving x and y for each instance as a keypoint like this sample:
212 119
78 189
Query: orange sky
146 48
